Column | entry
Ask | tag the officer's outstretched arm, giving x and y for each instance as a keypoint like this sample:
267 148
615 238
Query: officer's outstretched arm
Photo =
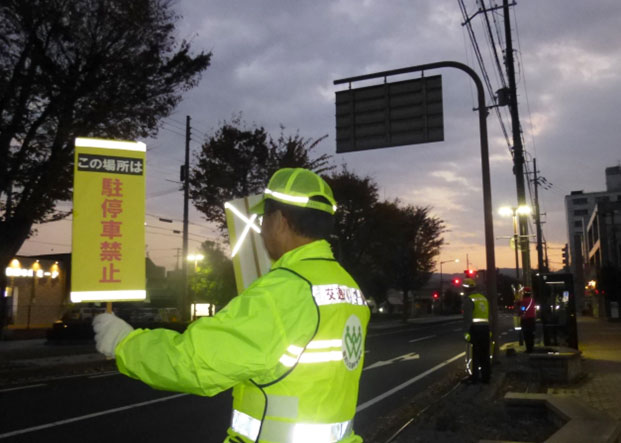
244 340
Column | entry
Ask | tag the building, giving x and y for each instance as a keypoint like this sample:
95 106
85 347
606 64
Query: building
602 258
581 212
38 290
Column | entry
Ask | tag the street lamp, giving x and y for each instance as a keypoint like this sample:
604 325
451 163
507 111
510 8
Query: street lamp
196 258
456 260
512 211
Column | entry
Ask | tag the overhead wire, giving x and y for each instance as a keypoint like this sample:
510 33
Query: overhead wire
491 40
483 69
492 44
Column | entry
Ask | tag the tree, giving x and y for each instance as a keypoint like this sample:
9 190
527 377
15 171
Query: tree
237 161
353 230
100 68
214 280
406 240
382 244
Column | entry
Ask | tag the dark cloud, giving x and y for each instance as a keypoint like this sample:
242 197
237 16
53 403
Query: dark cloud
275 61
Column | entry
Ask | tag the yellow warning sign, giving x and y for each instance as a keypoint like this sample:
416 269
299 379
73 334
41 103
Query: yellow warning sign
108 238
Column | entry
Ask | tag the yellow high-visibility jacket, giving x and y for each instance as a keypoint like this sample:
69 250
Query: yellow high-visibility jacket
291 346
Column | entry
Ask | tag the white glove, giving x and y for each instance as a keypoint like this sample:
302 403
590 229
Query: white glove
109 331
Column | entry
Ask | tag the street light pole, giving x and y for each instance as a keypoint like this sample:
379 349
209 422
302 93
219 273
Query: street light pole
195 258
456 260
515 245
514 212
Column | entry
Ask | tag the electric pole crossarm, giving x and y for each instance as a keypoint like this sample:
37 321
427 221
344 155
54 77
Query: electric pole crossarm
482 10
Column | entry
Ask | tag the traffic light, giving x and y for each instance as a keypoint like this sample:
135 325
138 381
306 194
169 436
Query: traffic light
457 281
436 295
470 273
565 255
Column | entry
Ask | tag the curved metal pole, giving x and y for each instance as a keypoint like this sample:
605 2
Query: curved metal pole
492 292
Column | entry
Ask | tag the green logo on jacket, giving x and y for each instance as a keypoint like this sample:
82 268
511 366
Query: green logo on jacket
352 343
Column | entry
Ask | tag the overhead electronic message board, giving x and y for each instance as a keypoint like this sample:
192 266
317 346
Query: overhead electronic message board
391 114
108 239
250 259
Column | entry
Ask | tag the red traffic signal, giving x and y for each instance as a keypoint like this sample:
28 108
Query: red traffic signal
470 273
457 281
436 295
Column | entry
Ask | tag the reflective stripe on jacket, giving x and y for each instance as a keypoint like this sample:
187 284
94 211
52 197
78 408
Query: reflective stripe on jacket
480 312
283 344
315 399
476 310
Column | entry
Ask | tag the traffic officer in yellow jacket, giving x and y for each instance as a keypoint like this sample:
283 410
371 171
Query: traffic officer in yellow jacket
291 345
476 331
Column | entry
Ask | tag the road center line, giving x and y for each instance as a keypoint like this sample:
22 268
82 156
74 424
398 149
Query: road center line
105 374
22 387
403 385
86 417
421 338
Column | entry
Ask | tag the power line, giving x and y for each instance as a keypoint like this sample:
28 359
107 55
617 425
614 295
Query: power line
477 52
174 132
493 46
177 220
48 243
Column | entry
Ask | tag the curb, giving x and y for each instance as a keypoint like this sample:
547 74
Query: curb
582 422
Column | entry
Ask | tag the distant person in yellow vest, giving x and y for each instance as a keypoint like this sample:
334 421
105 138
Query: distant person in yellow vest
476 331
291 345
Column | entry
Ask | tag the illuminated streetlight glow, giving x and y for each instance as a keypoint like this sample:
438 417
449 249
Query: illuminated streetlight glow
505 211
508 211
524 210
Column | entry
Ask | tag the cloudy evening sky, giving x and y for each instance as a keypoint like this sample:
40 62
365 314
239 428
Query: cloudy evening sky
275 62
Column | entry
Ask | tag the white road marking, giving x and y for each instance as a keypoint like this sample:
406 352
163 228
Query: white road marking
404 357
421 338
105 374
22 387
86 417
403 385
398 331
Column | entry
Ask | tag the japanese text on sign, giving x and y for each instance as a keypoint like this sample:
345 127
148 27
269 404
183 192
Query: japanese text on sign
110 252
102 163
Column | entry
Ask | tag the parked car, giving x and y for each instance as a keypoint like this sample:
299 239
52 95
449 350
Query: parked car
74 324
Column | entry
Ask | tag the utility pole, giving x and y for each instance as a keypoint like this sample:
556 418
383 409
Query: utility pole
185 176
177 256
518 151
540 264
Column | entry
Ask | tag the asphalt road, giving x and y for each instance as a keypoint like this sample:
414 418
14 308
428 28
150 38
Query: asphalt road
109 407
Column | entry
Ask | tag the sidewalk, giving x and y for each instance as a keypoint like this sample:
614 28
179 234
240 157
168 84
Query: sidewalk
600 343
474 413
